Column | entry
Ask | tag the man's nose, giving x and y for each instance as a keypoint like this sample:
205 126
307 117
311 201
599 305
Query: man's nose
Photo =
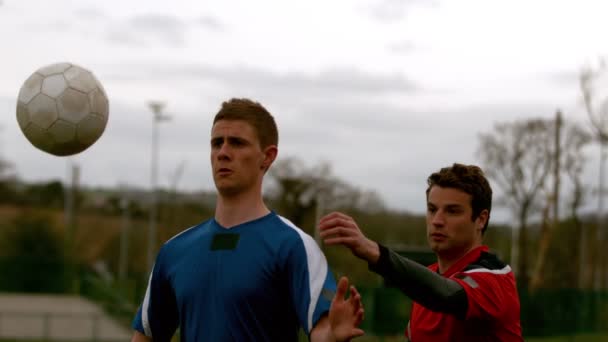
438 220
223 152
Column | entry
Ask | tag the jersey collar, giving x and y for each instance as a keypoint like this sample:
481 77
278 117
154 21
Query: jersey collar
466 260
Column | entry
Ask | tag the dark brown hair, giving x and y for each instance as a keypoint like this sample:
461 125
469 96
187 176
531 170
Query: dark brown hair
254 114
470 179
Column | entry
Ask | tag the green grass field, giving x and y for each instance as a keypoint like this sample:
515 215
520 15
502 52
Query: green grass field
577 338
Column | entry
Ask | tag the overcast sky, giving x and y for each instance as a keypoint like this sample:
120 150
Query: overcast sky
387 91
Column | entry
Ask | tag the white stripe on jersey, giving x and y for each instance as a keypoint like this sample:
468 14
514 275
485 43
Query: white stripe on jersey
317 268
504 270
145 305
144 308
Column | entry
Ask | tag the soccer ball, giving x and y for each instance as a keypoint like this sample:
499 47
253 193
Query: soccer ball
62 109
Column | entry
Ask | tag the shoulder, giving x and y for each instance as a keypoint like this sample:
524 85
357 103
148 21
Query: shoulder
488 271
187 236
290 230
296 239
487 263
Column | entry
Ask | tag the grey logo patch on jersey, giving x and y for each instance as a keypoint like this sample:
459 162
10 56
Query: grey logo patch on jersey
328 294
470 281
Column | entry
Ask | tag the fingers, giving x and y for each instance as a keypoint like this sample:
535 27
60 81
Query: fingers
338 226
357 332
360 317
337 231
335 218
354 293
355 298
342 288
346 241
333 215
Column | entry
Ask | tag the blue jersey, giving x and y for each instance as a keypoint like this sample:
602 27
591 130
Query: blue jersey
258 281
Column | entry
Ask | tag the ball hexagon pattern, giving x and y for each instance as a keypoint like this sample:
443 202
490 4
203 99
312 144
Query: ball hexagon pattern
62 109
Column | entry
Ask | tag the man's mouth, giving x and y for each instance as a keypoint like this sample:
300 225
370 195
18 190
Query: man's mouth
224 171
438 236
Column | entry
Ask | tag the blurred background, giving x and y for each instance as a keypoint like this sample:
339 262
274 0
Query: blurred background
371 96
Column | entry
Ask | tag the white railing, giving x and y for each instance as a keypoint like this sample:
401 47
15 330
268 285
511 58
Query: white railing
50 326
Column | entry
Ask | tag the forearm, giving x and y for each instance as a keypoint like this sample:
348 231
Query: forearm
421 284
139 337
322 331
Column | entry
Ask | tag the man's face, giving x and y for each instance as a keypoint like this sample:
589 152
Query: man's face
450 229
237 160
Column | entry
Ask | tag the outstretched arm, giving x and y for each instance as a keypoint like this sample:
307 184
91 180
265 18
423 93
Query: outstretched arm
139 337
345 316
421 284
416 281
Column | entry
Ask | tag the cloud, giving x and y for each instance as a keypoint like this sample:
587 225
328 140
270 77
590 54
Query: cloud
567 78
394 10
121 155
330 82
145 29
358 121
56 19
403 47
156 22
210 23
90 13
151 28
373 144
166 28
125 37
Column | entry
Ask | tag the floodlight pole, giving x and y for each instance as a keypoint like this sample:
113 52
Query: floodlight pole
157 108
124 238
70 203
599 273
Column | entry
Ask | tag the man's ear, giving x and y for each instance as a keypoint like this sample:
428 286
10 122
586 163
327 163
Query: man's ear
482 218
270 154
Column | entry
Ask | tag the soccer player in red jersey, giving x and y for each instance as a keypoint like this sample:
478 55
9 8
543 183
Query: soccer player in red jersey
469 294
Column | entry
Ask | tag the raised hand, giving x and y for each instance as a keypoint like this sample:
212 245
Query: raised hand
340 229
345 315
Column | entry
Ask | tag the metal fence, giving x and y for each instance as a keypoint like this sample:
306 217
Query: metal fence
560 312
51 326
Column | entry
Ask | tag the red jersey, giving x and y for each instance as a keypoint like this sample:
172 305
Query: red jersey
493 304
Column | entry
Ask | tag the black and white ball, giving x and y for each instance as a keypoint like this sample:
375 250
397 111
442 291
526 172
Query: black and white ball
62 109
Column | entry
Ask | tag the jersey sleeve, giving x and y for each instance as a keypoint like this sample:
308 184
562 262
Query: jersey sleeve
157 316
311 284
490 293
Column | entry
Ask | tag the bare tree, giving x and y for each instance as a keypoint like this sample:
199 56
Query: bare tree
296 188
302 193
568 159
575 139
7 178
517 156
596 105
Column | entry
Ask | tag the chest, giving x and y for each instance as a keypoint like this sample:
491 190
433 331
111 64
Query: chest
427 325
247 272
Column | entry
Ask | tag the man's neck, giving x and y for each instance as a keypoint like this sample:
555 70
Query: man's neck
447 260
231 211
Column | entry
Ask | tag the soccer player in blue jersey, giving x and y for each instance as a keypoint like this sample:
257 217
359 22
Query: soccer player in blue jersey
247 274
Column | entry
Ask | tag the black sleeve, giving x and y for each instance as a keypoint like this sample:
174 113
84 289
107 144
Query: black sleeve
422 285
